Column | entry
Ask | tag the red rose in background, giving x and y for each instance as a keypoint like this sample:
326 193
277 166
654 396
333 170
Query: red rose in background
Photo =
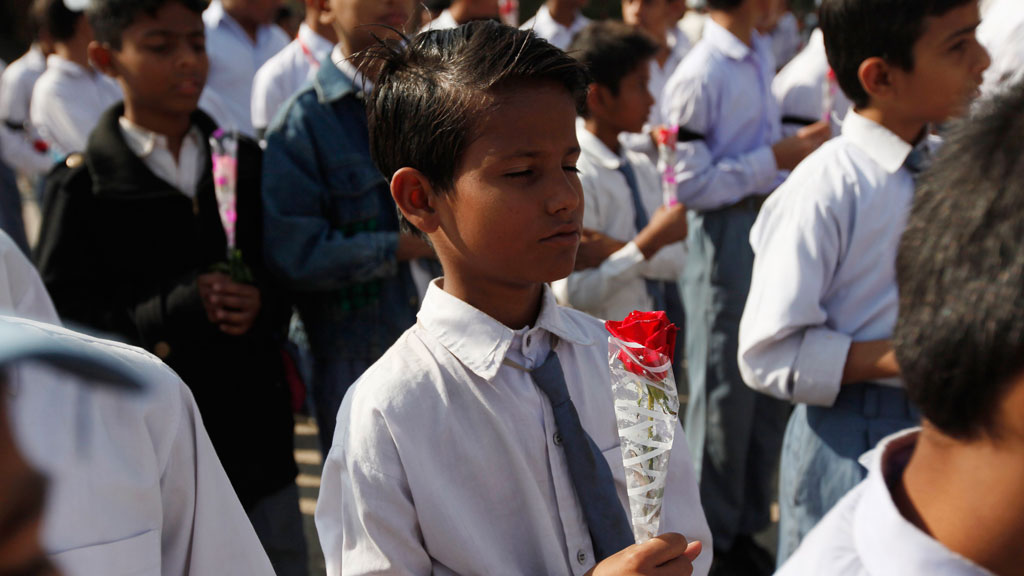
654 332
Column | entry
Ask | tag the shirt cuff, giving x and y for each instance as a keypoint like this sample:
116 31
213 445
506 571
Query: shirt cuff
625 257
818 373
765 169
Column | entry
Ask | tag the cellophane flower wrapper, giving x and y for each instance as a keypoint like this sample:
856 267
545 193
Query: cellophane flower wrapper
646 411
224 151
667 137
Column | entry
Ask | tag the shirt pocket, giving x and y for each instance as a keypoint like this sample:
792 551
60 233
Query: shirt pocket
134 556
355 187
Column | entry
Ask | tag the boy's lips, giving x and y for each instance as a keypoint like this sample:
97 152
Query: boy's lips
189 87
569 233
396 20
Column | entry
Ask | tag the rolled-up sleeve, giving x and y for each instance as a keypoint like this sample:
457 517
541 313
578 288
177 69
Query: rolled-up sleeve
786 348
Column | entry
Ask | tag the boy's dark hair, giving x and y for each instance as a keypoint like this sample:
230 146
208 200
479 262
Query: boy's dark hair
110 18
56 19
959 338
724 5
856 30
611 50
431 93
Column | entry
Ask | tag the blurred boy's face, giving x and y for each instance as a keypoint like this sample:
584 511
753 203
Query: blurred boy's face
948 66
628 110
354 20
649 15
162 62
514 217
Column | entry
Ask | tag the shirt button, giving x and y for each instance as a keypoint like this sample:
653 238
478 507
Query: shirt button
581 557
557 439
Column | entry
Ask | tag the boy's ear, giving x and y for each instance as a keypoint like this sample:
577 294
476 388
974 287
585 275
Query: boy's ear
875 75
414 196
102 58
597 97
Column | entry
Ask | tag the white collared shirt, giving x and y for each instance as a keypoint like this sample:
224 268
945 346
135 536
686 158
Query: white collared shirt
134 484
801 85
785 39
544 26
825 264
67 103
444 21
285 73
1000 31
865 534
617 287
721 92
445 459
234 60
16 84
183 173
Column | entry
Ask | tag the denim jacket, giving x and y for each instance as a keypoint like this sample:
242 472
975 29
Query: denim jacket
330 225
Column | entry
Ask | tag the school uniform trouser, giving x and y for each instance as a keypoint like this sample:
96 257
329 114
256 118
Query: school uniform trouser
734 433
821 451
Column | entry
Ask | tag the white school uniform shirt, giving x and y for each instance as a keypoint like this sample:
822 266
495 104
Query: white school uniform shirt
445 460
544 26
444 21
617 287
865 534
1002 25
825 264
134 485
183 173
785 39
67 103
16 84
801 85
234 60
721 92
285 73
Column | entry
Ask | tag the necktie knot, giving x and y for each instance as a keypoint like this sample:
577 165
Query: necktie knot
919 158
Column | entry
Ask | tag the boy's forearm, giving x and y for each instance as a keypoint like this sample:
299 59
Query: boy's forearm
870 360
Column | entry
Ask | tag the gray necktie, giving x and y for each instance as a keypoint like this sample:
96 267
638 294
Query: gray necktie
655 289
610 530
919 159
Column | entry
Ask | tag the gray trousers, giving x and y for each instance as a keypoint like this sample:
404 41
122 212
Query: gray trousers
734 433
822 447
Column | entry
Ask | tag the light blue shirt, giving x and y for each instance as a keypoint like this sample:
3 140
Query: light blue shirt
234 60
722 92
825 264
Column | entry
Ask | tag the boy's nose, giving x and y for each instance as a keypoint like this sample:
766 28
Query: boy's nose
567 195
984 59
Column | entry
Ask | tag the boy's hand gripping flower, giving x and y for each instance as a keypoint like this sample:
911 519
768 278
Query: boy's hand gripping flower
640 351
224 149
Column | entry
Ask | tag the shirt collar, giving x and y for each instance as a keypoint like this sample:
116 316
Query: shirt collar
340 78
883 146
724 41
546 20
480 342
144 141
317 44
67 67
886 543
596 150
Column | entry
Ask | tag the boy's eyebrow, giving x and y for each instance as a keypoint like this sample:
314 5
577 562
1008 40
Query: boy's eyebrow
528 153
965 30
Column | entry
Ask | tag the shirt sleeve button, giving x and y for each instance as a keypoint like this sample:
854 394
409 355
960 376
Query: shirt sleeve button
557 439
581 557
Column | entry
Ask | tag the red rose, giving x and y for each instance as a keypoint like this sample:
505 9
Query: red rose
653 331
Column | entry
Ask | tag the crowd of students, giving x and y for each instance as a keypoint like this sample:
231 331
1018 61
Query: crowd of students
442 220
